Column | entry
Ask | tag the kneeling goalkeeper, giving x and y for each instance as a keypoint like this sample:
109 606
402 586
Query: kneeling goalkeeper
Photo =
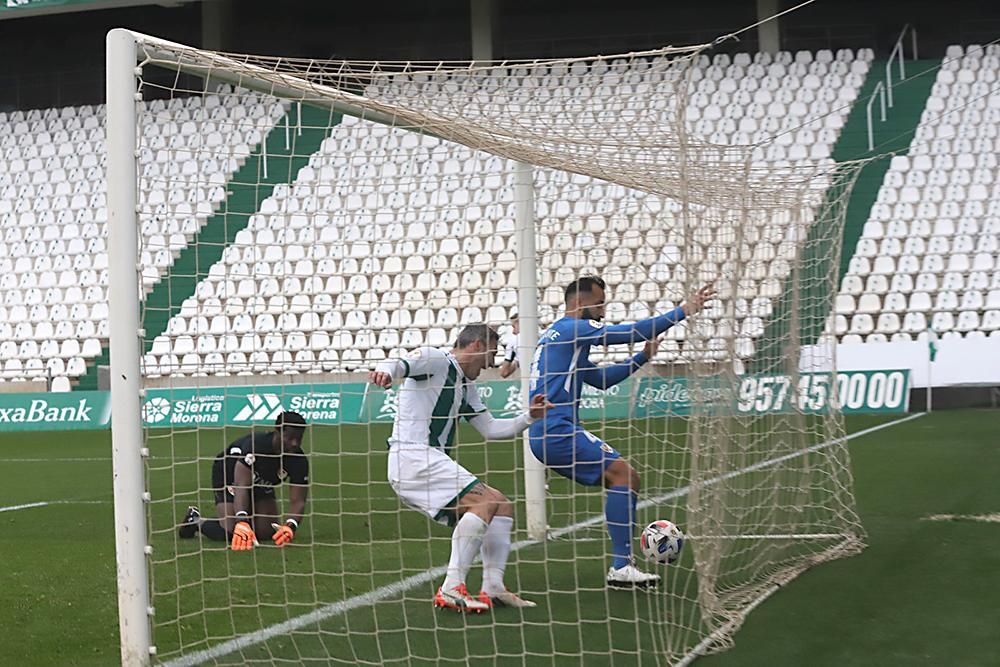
244 477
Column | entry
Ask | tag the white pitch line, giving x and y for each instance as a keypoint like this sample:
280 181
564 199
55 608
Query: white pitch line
59 460
768 536
43 503
391 590
14 508
982 518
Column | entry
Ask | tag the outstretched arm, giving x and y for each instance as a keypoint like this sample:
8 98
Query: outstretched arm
603 377
492 428
631 332
648 329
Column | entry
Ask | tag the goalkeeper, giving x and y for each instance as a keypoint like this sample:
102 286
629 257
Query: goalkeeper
559 369
439 387
244 477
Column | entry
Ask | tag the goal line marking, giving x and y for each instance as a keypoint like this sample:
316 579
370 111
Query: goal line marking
396 588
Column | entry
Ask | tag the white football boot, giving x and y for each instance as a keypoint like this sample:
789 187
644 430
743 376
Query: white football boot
631 577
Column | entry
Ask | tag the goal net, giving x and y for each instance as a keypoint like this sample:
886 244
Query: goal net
300 221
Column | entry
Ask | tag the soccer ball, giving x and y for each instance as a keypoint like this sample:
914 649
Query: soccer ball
662 541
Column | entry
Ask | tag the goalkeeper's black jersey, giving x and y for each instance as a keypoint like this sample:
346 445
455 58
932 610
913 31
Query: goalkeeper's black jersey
269 468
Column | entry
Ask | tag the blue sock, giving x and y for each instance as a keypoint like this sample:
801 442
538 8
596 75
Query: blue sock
632 519
619 512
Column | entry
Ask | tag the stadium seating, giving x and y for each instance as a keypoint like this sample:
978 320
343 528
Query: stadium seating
929 256
53 219
322 280
327 280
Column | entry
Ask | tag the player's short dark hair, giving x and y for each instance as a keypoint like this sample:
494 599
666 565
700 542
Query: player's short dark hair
292 421
583 284
473 332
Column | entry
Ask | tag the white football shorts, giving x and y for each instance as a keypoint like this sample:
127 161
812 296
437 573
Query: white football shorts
428 480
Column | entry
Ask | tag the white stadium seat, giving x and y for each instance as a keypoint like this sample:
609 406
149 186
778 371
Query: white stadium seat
935 201
350 277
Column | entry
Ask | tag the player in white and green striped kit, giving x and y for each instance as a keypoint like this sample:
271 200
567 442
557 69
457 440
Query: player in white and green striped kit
439 388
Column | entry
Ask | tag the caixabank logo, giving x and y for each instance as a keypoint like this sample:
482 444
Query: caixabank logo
52 412
40 411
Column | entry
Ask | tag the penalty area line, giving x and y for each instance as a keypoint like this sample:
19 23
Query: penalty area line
393 589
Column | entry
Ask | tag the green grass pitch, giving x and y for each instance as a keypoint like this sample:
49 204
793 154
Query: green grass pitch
920 594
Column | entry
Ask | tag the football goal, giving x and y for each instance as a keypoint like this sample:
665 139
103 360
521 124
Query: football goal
278 226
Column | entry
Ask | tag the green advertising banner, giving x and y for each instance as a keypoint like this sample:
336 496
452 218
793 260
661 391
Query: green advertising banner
348 403
359 403
503 399
79 410
856 392
237 406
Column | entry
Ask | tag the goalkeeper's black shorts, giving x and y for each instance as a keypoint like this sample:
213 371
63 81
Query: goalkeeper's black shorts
222 480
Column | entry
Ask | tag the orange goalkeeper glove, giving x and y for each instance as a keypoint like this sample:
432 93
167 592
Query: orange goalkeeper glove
284 534
243 537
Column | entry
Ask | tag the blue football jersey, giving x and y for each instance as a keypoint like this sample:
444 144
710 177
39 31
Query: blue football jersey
561 364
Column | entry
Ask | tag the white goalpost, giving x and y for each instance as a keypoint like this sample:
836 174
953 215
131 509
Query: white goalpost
527 297
279 226
131 543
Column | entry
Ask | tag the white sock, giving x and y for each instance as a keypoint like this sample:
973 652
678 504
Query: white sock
495 549
465 543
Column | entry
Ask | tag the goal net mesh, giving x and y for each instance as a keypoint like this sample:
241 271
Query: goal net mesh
302 220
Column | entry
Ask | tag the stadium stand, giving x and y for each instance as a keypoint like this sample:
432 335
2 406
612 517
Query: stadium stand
927 259
53 255
345 297
322 281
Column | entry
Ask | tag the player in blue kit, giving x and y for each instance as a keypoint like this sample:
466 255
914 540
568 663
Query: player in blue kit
559 369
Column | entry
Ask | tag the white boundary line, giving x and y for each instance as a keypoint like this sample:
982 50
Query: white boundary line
767 536
982 518
43 503
391 590
58 460
14 508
